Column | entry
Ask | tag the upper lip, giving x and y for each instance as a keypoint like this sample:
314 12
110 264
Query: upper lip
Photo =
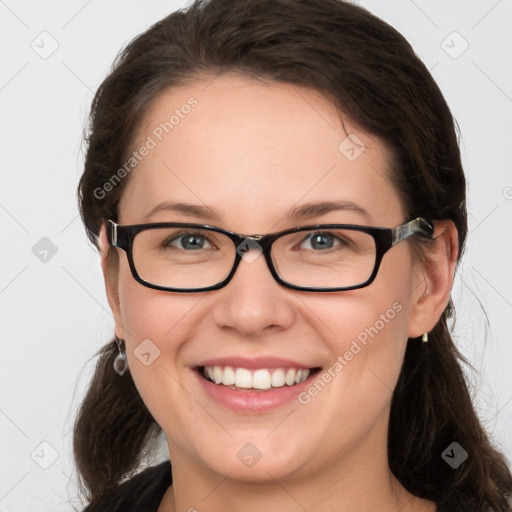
255 363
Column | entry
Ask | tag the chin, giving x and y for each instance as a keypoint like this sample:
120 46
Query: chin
256 458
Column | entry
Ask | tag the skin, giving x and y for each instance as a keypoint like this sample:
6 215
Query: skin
253 151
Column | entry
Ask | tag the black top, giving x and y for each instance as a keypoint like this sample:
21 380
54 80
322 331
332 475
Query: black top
142 493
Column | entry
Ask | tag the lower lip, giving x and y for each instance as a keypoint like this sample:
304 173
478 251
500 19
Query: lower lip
248 400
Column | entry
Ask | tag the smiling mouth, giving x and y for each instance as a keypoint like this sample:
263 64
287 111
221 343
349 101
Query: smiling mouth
263 379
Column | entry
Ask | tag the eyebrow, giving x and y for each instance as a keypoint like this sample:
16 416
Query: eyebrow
316 209
193 210
303 212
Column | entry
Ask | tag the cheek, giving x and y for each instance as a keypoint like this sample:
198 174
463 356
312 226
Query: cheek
152 314
381 319
374 317
157 324
366 331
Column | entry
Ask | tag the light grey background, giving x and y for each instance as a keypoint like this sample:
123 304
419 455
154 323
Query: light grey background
55 314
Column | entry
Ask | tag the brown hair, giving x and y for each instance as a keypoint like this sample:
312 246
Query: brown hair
370 72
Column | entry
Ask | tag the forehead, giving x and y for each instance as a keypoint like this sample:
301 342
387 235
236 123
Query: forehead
252 151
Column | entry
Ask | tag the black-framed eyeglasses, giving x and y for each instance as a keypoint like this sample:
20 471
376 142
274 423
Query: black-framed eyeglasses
184 257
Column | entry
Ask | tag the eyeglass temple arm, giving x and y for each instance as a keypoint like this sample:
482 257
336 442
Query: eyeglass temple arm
112 231
418 225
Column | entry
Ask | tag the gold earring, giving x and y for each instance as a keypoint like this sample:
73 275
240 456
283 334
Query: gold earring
424 338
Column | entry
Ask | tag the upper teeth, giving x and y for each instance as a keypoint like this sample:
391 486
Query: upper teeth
257 379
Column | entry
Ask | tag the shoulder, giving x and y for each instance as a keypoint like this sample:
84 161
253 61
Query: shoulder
141 493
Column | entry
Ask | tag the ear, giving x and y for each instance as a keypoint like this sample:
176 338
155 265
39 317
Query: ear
110 268
435 278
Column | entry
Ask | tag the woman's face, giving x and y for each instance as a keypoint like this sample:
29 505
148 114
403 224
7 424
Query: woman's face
252 153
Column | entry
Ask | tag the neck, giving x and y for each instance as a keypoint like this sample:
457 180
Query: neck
354 484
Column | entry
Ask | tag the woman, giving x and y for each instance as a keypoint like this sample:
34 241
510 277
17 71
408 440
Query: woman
312 368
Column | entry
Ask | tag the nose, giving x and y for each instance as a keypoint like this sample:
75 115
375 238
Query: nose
253 304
